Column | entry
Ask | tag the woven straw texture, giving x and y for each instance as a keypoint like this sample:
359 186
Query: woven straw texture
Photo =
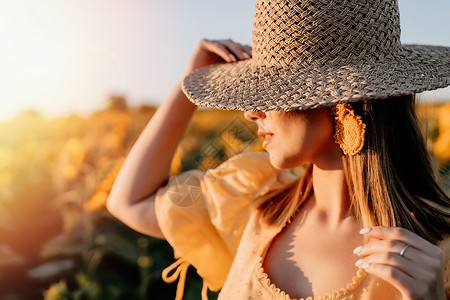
315 53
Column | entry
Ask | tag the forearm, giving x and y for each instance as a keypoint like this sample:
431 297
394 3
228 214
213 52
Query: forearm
148 163
132 199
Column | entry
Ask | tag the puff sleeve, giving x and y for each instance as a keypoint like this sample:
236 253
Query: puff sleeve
203 215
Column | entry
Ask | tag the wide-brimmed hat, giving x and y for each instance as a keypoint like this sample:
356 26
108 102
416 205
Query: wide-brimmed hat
314 53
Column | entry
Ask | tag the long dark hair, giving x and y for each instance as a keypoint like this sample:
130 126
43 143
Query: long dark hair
392 182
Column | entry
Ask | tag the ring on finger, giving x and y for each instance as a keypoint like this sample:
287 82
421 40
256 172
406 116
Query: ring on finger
402 252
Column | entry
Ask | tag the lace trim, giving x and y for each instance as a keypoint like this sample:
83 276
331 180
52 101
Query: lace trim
279 294
181 266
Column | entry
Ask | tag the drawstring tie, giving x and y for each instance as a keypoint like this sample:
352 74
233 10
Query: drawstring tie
181 266
205 290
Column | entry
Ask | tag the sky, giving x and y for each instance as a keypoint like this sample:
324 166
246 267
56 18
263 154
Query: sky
62 57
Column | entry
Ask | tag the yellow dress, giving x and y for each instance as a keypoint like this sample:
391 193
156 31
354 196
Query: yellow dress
212 224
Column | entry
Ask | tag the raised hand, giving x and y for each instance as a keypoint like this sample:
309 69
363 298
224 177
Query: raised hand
210 52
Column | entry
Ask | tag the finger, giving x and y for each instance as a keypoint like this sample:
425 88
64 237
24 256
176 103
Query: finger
391 246
236 49
220 49
396 277
399 234
248 49
395 261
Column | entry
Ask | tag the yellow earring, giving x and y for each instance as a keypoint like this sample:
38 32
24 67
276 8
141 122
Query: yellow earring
349 129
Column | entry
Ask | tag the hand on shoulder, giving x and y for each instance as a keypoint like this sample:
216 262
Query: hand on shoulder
404 259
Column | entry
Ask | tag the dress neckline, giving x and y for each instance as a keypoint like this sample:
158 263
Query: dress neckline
276 292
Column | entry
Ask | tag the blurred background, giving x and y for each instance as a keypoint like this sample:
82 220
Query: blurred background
79 80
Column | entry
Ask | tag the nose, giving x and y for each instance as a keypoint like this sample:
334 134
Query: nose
254 115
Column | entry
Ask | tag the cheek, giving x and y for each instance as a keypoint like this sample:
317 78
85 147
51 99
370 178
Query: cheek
300 143
320 125
289 149
320 135
324 132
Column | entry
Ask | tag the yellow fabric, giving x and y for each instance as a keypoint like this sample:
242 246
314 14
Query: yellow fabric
211 222
206 228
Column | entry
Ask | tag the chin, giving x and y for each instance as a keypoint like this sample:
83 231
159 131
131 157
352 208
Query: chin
282 162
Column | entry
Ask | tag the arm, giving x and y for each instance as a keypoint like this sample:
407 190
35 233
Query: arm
132 198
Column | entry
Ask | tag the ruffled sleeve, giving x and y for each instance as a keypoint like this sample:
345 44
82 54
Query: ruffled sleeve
203 215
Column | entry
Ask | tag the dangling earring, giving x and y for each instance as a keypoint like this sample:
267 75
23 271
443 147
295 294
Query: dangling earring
349 129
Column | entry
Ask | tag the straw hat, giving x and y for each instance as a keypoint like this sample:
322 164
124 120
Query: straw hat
315 53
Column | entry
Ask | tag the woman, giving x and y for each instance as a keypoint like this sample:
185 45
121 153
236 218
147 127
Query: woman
329 85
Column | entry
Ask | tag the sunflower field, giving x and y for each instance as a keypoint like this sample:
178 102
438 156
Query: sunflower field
57 240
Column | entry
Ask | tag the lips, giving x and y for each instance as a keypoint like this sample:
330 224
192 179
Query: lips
267 137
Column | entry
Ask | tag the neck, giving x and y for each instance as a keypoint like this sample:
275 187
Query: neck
330 199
